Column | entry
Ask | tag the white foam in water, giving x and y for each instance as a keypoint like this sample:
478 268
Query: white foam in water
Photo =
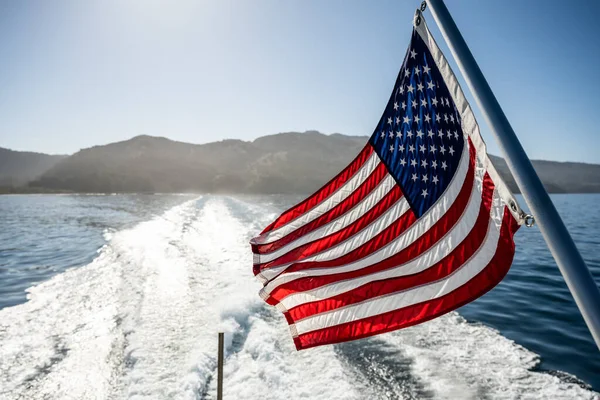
461 360
141 322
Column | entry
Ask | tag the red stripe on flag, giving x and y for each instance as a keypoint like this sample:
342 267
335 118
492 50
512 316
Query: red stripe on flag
317 246
347 204
453 261
437 231
491 275
324 192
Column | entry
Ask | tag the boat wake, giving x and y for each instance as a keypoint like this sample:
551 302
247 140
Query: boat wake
141 322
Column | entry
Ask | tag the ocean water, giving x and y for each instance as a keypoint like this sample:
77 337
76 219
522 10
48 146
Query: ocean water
114 297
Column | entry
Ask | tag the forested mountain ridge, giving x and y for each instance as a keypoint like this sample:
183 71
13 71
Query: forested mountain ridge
289 162
17 168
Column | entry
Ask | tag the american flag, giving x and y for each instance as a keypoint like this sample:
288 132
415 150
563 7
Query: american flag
417 225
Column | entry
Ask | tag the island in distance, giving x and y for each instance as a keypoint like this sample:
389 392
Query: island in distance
292 163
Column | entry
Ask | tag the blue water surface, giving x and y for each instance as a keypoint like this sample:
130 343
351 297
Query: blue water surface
533 305
43 235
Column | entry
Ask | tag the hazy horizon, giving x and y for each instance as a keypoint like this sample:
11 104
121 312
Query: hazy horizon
125 139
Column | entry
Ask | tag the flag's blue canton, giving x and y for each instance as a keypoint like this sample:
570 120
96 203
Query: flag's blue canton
419 136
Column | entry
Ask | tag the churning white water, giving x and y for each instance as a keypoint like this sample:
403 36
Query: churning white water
141 322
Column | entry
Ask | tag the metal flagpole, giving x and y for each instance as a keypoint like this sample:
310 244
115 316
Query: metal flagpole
569 260
220 366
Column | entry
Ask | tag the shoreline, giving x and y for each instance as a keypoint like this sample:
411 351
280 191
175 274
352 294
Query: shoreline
23 191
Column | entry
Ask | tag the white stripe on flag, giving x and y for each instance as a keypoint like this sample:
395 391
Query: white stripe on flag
374 228
390 216
435 254
339 223
396 301
338 196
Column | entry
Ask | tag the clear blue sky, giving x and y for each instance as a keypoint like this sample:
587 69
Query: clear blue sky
78 73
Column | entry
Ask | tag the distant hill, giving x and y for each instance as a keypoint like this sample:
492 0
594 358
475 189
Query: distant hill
283 163
557 177
17 168
289 162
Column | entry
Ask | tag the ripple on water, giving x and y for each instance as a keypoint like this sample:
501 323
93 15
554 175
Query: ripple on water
140 316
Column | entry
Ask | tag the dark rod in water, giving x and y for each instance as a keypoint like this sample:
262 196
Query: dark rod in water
570 263
220 367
